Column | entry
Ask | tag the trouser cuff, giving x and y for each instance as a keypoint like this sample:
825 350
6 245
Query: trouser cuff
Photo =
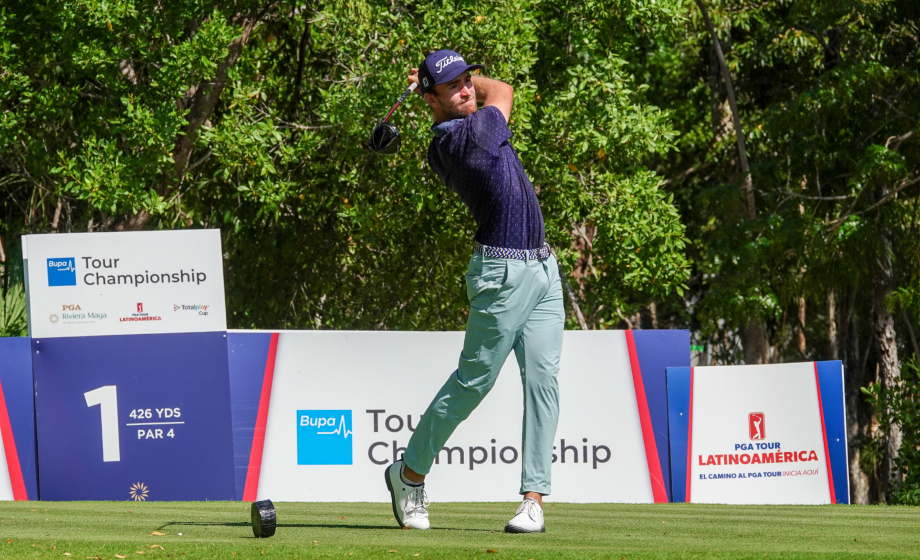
410 462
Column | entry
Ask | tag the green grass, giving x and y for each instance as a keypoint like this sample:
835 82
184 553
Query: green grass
344 531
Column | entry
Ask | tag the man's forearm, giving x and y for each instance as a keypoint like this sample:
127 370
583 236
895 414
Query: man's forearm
486 87
494 92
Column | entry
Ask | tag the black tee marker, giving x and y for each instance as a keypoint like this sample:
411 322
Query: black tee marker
263 519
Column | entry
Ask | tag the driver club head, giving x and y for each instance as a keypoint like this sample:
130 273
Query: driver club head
385 139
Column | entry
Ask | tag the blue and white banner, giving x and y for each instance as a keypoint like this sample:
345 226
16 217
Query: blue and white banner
18 472
768 434
318 415
134 417
132 390
97 284
139 396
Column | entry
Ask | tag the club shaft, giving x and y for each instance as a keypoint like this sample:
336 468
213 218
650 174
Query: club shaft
409 90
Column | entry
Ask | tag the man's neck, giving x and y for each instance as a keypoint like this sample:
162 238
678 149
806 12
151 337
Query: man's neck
441 117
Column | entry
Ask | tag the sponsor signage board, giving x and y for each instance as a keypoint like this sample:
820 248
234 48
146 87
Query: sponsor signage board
142 417
18 471
318 415
129 360
767 434
95 284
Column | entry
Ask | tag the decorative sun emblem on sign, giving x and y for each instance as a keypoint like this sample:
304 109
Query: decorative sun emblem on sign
53 318
139 492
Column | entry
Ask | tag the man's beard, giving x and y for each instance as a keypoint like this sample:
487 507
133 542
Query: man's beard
459 111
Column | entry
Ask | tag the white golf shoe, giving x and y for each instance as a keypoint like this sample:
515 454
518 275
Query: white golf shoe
410 502
528 519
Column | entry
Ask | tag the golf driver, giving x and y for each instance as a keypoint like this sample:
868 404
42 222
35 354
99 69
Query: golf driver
385 138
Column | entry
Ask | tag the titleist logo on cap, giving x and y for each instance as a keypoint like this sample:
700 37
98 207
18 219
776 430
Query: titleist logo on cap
447 61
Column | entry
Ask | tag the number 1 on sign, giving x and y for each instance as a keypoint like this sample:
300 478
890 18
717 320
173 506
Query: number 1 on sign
107 399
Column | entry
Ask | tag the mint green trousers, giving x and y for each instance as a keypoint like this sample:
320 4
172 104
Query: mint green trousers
514 305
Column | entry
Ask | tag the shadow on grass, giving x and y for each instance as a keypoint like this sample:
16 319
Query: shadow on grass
312 526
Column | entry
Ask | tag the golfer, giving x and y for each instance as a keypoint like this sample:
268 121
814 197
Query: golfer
512 283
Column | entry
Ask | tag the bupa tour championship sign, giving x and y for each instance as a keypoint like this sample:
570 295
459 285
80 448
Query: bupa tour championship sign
90 284
318 415
129 359
769 434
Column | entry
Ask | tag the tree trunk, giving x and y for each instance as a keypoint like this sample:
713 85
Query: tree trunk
716 107
859 481
747 185
202 106
754 343
832 48
887 346
206 99
573 300
135 222
754 334
858 413
801 329
832 351
910 331
306 40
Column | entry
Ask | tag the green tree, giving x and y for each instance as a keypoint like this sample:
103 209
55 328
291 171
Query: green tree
828 107
252 117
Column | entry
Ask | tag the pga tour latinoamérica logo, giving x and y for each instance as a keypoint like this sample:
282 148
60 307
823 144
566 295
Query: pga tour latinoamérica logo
62 272
757 426
324 437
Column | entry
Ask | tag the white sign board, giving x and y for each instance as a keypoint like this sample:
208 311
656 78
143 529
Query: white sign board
763 434
92 284
343 405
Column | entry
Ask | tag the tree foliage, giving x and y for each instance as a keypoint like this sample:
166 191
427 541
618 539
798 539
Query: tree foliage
253 117
828 100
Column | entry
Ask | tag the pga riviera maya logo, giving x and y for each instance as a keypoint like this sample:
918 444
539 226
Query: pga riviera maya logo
324 437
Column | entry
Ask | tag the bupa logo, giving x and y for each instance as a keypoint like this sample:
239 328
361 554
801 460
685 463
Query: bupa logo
324 437
62 272
757 426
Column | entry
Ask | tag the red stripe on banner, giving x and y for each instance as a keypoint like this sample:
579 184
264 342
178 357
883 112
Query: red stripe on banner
258 437
689 439
12 457
827 455
648 434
